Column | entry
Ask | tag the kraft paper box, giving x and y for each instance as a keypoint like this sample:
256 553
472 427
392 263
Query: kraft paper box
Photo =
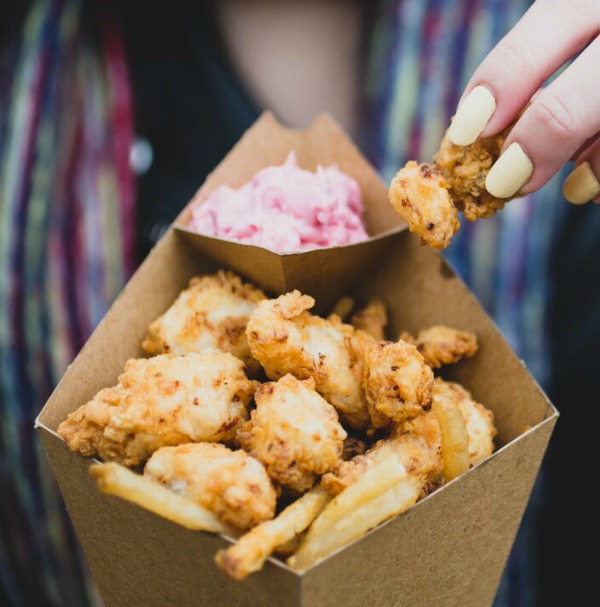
447 550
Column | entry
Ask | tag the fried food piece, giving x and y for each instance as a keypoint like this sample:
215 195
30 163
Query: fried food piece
352 447
442 345
231 484
115 479
383 491
294 432
454 438
372 319
478 419
343 307
212 313
417 443
251 550
164 400
465 168
398 384
420 195
285 338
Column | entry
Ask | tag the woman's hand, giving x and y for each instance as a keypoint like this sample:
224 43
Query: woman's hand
563 119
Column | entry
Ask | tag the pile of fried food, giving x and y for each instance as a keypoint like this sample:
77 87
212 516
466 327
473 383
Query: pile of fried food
292 433
428 196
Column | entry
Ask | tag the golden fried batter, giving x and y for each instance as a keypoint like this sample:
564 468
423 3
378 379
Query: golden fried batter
372 319
465 168
442 345
398 384
294 432
478 419
231 484
285 338
417 447
211 313
164 400
420 195
418 443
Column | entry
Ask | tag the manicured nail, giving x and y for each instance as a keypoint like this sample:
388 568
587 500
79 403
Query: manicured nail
472 116
581 185
509 173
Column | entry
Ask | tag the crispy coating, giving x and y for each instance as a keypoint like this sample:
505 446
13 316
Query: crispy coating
398 383
420 195
465 168
211 313
285 338
231 484
294 432
478 419
372 319
352 447
442 345
417 447
418 443
165 400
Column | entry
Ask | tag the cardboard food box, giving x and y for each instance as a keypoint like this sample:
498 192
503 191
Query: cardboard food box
448 549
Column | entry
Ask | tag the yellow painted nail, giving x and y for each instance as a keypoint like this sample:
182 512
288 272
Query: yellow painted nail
581 185
509 173
472 116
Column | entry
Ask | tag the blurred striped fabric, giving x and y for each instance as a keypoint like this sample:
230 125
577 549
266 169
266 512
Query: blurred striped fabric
66 249
67 233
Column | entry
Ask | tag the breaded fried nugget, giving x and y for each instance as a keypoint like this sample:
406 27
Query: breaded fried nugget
294 432
417 447
420 195
285 338
372 319
398 384
465 168
233 485
164 400
417 443
211 313
478 419
441 345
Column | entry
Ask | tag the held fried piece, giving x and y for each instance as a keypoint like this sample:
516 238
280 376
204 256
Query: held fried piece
251 550
420 195
442 345
231 484
115 479
285 338
294 432
211 313
372 319
398 384
465 168
164 400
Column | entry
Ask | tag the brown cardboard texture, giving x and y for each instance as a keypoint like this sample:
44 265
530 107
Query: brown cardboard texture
447 550
268 143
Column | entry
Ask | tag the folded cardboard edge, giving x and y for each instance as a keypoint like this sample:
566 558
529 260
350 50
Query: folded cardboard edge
551 419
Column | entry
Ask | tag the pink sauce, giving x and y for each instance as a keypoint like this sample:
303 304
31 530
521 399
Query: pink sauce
285 208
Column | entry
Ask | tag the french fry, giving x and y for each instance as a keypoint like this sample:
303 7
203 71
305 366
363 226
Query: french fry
380 493
249 553
455 439
343 307
120 481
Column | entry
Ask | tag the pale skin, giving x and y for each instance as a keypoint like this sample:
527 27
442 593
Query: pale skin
273 46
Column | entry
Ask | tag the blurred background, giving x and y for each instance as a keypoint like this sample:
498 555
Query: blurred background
112 114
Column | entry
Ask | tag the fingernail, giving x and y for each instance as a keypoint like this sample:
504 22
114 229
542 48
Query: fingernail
581 185
472 116
509 173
